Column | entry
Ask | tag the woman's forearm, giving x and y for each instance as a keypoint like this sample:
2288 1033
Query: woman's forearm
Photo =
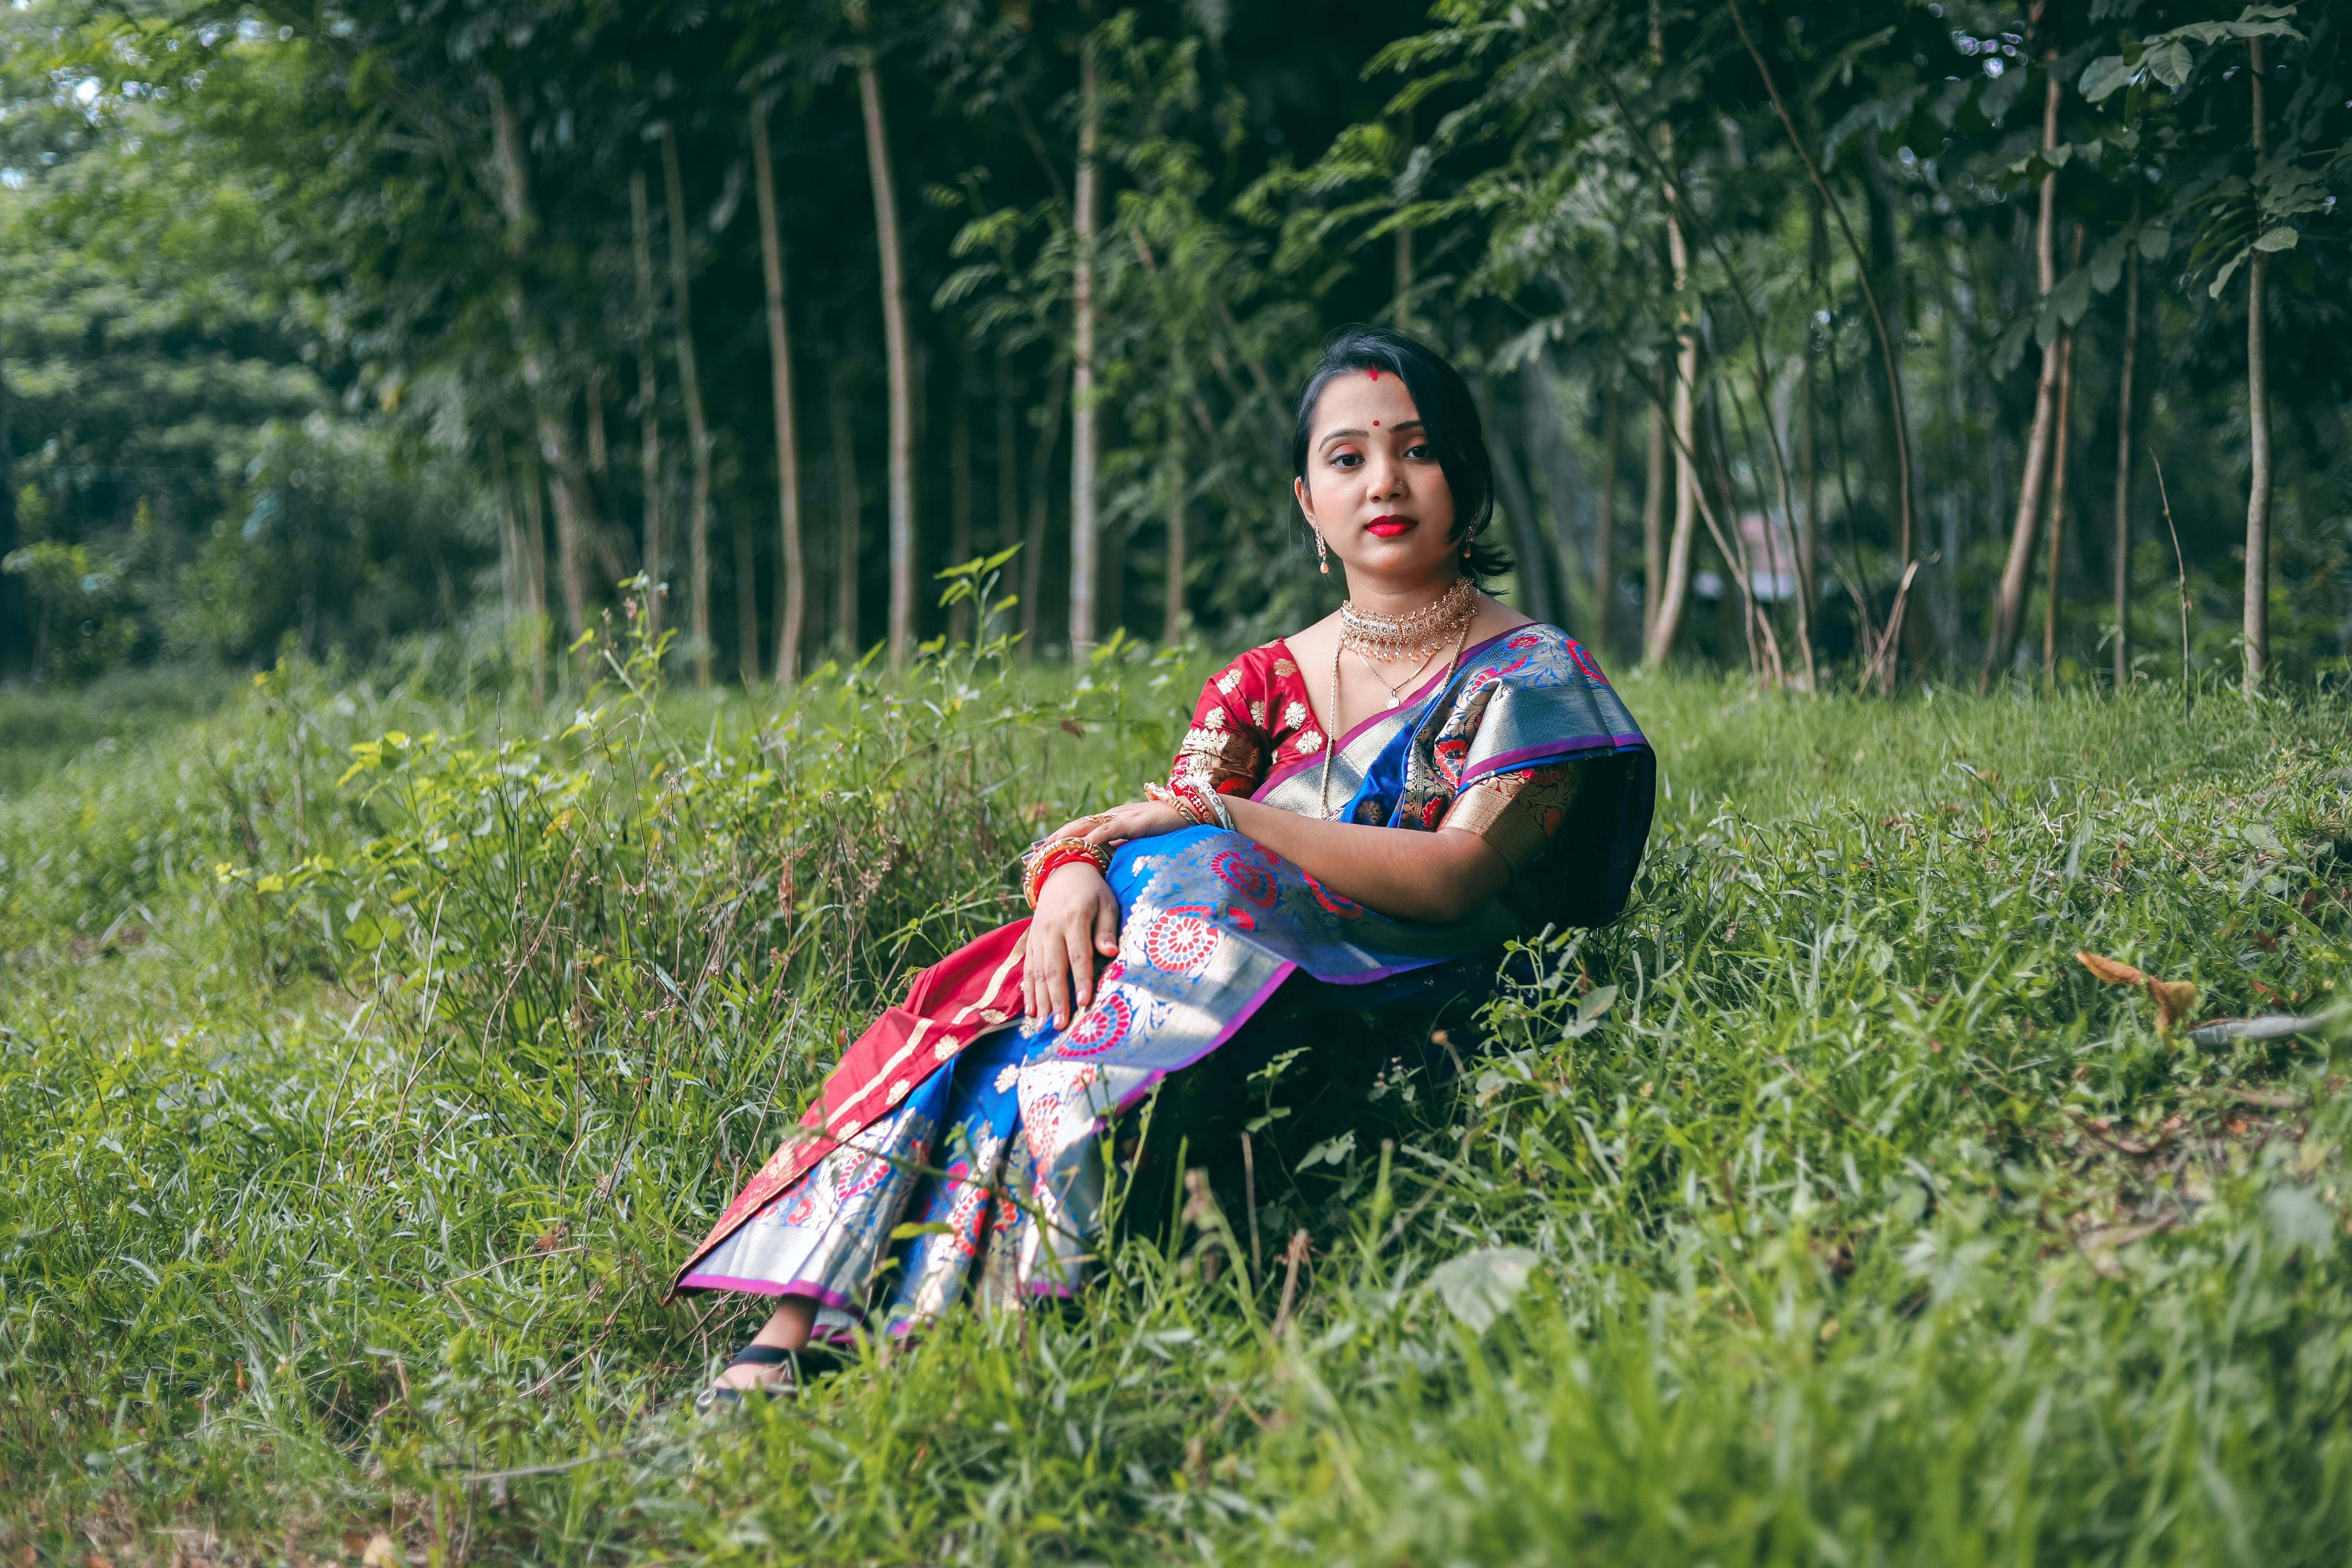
1439 876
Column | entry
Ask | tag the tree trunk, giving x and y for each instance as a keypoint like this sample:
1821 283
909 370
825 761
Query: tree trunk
899 351
1032 548
531 558
2009 609
959 485
1082 366
649 440
509 531
2258 427
1172 594
571 525
2123 472
1552 467
1518 506
1008 457
1400 299
791 576
2058 456
13 648
847 507
698 429
1653 522
1604 525
597 454
1679 549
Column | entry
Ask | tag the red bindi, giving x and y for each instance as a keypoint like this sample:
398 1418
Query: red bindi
1376 423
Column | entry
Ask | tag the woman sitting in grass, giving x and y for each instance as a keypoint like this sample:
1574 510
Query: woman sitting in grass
1376 801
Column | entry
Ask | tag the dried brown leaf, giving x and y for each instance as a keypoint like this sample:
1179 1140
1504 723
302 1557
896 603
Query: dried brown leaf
2175 999
2112 971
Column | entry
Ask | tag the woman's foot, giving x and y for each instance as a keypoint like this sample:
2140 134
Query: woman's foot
762 1367
767 1362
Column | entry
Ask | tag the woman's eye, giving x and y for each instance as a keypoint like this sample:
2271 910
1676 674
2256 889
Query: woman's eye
1347 459
1421 452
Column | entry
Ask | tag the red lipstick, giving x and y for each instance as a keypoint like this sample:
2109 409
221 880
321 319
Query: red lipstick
1388 527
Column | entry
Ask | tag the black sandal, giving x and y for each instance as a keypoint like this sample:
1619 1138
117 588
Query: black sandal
716 1394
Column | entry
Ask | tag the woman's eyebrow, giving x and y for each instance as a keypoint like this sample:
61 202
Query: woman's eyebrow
1332 436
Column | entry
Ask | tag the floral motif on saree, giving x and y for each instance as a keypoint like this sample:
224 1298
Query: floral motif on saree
953 1154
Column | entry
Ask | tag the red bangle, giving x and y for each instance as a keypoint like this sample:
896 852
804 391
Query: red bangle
1048 859
1178 796
1193 801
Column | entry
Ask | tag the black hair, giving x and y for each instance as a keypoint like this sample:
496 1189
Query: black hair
1449 417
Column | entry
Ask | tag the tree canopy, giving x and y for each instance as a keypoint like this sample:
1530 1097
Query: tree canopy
1841 342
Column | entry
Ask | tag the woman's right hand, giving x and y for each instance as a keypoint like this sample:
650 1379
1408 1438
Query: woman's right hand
1076 917
1136 819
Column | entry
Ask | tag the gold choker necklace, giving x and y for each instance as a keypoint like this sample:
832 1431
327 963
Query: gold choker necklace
1392 640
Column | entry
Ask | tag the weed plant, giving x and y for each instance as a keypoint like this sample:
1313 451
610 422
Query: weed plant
368 1059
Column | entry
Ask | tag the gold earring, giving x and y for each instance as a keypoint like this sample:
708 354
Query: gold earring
1322 554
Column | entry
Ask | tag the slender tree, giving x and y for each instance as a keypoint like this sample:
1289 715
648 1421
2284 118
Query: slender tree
1085 219
2124 463
1653 522
650 436
898 351
2008 608
848 504
2258 423
2059 452
1172 592
960 482
697 427
1008 454
1604 524
1676 586
791 577
1041 475
1401 296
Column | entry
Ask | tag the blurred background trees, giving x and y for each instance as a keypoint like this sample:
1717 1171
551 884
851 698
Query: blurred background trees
1838 342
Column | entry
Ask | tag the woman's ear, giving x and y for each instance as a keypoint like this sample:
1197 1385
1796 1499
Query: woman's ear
1305 500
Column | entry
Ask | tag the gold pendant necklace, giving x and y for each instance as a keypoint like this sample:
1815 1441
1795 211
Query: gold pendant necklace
1396 688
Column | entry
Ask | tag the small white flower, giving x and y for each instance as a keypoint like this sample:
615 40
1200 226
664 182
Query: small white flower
1309 741
1227 681
1257 714
1214 719
1295 715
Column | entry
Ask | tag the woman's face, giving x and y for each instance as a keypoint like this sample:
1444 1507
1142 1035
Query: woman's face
1373 487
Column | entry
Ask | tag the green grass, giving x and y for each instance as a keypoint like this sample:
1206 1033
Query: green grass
350 1126
40 730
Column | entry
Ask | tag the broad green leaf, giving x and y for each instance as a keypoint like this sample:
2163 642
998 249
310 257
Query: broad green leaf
2103 77
1479 1287
2168 62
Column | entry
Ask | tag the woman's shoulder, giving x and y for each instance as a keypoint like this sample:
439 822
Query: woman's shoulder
1256 669
1534 653
1259 689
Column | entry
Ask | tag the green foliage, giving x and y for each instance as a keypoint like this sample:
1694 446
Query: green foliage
370 1058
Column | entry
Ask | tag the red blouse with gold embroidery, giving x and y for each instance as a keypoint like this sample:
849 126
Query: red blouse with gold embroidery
1254 717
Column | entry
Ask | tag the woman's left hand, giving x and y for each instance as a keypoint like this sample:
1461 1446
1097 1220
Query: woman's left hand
1136 819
